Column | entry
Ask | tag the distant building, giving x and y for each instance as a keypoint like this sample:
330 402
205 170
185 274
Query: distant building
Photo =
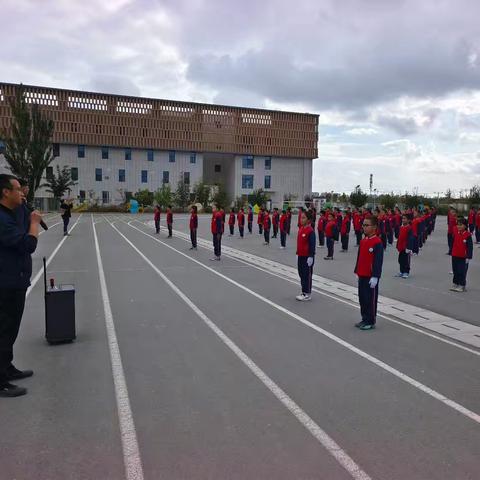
116 145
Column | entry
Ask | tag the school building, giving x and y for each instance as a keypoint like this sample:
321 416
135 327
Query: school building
116 144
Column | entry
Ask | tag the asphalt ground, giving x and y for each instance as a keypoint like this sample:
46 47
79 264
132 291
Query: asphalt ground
185 368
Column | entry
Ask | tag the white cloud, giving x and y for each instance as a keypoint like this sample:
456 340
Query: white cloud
361 131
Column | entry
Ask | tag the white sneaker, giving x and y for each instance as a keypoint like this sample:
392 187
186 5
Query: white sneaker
398 275
281 248
303 297
405 275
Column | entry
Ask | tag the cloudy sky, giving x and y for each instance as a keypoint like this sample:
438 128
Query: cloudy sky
396 82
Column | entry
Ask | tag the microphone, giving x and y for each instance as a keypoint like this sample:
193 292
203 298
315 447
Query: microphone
42 223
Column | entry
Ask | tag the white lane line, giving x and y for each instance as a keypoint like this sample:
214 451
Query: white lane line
325 440
50 258
49 227
131 451
379 363
286 269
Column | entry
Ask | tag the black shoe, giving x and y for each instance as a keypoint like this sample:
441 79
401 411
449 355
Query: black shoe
16 374
367 326
10 390
360 324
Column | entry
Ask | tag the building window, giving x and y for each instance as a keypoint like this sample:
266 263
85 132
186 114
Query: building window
105 197
74 173
247 162
128 154
56 149
193 157
82 195
49 173
268 182
150 155
171 156
81 151
218 168
104 153
121 175
268 163
166 177
144 176
247 181
186 178
98 174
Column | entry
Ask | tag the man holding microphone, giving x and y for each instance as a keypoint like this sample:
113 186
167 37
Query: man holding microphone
18 240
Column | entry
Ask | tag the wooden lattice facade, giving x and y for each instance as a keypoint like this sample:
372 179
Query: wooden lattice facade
86 118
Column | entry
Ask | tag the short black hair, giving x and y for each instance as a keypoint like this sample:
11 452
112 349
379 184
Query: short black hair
373 221
6 182
462 221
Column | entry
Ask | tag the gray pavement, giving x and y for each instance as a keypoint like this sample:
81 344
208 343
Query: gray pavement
199 411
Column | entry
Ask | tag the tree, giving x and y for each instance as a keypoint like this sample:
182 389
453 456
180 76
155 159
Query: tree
358 198
144 197
28 142
182 193
163 196
61 182
411 201
258 197
201 192
220 196
388 200
474 196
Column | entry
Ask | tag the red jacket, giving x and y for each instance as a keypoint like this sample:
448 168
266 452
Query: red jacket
404 236
169 218
260 217
477 220
193 221
471 217
241 219
216 225
357 222
370 257
306 241
231 219
321 224
452 223
275 219
330 228
462 244
344 227
266 221
283 223
156 215
415 223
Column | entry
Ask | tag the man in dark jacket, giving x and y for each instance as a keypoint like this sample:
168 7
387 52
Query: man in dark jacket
66 207
17 243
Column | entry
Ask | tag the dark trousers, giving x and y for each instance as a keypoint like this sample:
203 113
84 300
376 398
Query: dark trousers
397 231
471 227
260 228
66 221
330 243
169 229
450 243
345 241
12 303
275 231
240 230
404 261
459 267
477 234
249 227
321 238
368 298
231 227
415 248
420 239
390 237
217 244
358 236
383 237
157 226
193 237
305 272
289 224
283 238
266 235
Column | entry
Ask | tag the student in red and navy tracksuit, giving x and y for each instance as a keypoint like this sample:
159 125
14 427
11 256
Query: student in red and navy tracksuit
404 247
338 218
462 252
382 228
344 232
249 219
260 221
275 218
169 221
477 227
283 229
289 220
369 270
299 218
217 230
306 256
389 226
321 228
193 227
471 220
241 222
415 233
156 218
267 223
330 234
357 226
452 225
231 221
397 217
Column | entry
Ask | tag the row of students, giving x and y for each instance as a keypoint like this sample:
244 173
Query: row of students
156 218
